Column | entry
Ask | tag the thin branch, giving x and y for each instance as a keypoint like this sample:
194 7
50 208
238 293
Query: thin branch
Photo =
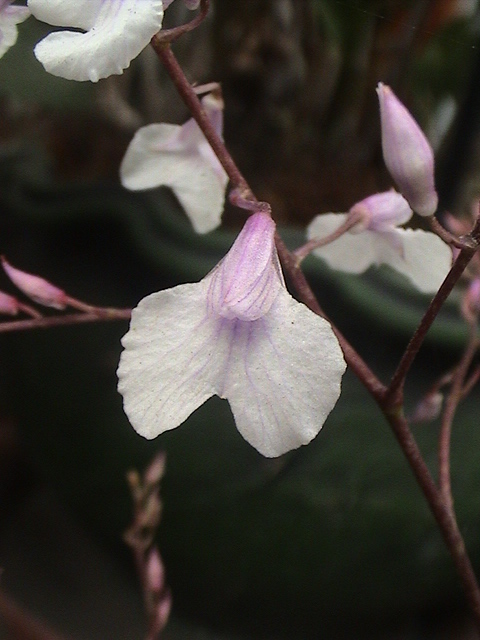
194 105
462 242
390 401
471 382
444 516
451 404
302 252
170 35
100 315
395 389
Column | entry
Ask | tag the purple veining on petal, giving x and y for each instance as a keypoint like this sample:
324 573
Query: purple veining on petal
246 282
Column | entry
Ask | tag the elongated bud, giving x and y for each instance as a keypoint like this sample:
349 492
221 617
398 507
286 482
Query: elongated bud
37 289
407 153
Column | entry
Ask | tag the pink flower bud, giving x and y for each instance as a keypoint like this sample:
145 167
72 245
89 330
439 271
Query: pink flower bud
381 212
428 408
155 572
162 612
155 470
37 289
407 153
8 304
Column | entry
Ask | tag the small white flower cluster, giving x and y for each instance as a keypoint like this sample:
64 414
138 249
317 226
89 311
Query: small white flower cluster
237 333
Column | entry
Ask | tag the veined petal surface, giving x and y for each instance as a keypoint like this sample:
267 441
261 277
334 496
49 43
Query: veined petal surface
283 376
174 356
247 281
116 32
419 255
159 155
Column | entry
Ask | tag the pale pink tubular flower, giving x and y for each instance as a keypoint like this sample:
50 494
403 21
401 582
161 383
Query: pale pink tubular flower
36 288
419 255
10 16
407 153
180 157
113 33
237 334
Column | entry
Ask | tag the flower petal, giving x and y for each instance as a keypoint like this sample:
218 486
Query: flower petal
419 255
283 376
10 16
66 13
247 281
173 356
121 29
352 252
426 260
157 157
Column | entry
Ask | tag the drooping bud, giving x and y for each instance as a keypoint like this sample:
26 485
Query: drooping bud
407 153
381 212
36 288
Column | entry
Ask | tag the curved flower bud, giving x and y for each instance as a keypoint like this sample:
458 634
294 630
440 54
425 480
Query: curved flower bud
381 212
237 334
36 288
10 16
181 158
407 153
116 31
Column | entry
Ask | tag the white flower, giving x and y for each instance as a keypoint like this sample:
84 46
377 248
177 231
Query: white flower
237 334
180 157
113 33
10 16
419 255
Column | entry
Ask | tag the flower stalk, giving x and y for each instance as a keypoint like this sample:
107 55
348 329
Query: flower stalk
389 399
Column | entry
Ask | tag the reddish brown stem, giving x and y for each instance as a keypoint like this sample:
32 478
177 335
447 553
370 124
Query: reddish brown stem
170 35
390 400
303 251
451 404
100 315
395 390
444 516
